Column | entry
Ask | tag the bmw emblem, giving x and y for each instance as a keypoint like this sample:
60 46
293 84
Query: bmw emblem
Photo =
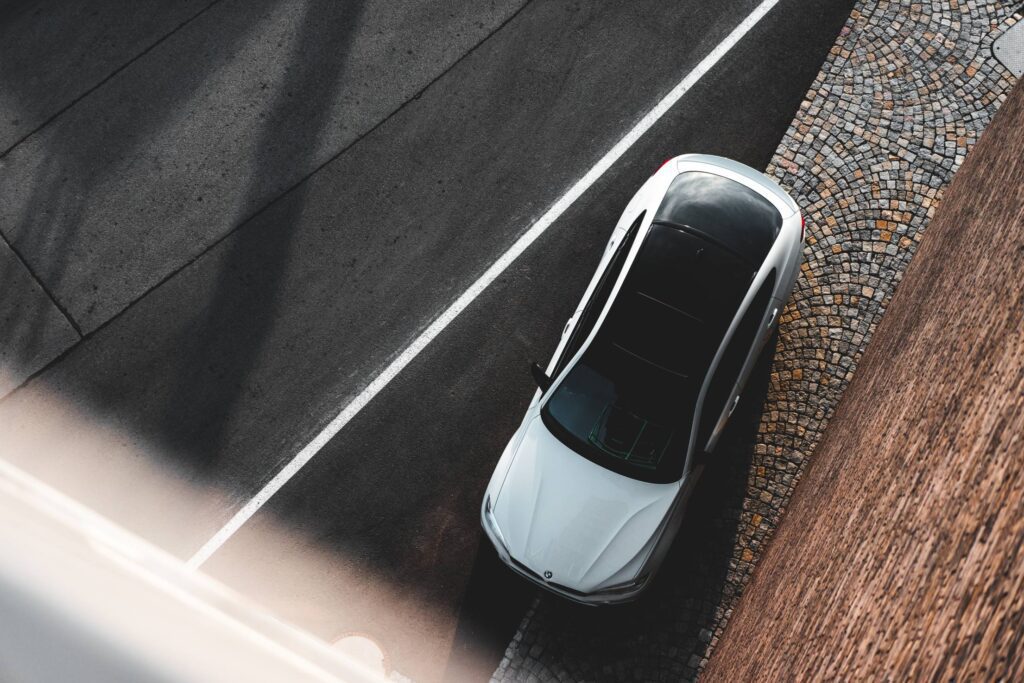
547 575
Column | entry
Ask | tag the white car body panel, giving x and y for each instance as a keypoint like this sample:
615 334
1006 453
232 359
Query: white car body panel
587 537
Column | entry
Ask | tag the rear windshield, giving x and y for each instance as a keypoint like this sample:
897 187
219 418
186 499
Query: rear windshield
730 214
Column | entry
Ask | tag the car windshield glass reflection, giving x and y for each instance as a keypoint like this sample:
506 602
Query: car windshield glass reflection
624 413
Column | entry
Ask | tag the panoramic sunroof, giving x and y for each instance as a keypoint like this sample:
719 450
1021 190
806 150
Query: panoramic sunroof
677 301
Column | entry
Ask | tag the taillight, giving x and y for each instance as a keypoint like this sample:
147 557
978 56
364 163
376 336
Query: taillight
665 163
803 227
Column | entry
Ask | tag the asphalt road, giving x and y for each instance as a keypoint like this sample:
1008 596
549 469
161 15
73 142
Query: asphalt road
248 209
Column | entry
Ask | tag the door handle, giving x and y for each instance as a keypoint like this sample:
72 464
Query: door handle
775 312
735 402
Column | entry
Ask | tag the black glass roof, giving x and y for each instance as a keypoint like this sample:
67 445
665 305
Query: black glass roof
628 403
677 301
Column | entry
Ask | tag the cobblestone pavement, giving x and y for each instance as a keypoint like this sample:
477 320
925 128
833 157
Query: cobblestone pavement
906 91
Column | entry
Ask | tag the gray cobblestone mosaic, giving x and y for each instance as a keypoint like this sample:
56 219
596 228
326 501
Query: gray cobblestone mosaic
906 91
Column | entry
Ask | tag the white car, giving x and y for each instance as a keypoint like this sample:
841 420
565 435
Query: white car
590 491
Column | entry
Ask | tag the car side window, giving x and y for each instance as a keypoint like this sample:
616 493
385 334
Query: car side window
731 364
592 311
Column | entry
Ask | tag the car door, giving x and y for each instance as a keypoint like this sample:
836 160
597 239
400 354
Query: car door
737 361
579 327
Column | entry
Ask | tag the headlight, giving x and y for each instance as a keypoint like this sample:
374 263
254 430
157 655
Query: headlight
626 587
492 524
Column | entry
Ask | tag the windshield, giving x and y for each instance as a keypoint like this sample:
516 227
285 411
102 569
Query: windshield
624 413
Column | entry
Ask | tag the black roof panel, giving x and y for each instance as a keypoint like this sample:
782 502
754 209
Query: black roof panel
724 211
677 301
628 403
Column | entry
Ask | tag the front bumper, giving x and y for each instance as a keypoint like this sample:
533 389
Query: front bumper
591 599
580 598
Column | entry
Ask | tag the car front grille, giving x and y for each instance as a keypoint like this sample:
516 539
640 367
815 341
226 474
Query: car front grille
529 573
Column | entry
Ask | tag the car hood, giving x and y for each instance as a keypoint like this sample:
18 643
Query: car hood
586 525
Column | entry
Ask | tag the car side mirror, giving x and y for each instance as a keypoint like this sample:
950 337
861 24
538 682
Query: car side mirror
540 377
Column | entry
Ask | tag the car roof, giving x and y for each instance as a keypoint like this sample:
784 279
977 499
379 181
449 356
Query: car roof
677 301
660 333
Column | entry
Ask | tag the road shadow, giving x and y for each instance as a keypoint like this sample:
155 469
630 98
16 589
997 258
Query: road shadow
492 607
223 342
76 164
50 189
177 378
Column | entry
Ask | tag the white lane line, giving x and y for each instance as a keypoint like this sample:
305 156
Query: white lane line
467 297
